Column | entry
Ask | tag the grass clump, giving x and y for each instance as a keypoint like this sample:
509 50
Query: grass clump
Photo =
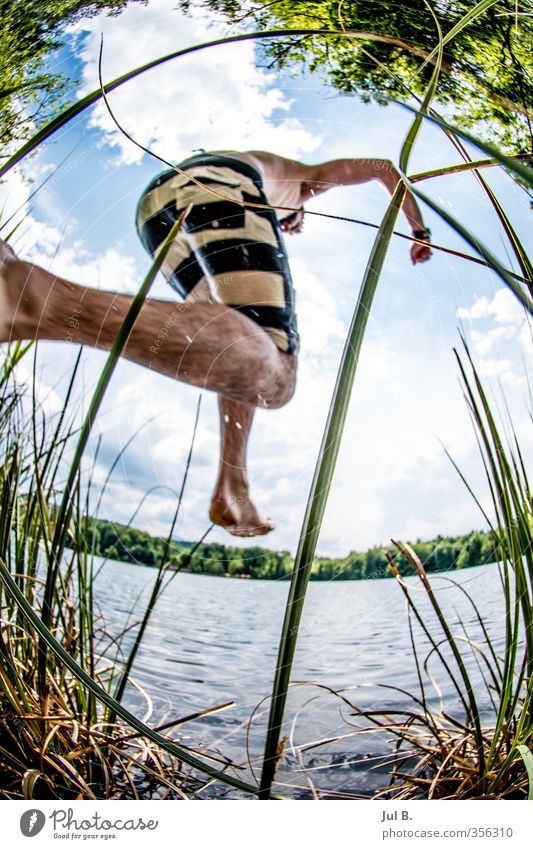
474 753
57 738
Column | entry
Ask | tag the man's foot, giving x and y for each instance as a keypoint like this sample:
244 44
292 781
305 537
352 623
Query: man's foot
237 514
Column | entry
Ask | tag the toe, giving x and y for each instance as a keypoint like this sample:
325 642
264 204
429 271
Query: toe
240 531
251 530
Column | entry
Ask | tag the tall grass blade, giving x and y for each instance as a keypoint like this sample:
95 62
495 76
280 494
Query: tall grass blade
513 164
509 279
410 138
320 487
473 710
527 757
162 569
66 506
518 249
104 697
471 165
455 30
79 106
404 156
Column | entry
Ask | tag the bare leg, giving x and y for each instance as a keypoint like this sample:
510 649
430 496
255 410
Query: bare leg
204 344
231 506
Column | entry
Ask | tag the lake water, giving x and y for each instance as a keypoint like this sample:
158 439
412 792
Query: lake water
213 640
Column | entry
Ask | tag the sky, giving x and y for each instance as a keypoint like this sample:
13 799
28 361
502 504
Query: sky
393 477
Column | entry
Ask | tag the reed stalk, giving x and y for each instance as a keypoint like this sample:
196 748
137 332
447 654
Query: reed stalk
325 466
66 506
501 762
320 486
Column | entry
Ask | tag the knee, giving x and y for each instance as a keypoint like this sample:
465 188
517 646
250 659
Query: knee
276 383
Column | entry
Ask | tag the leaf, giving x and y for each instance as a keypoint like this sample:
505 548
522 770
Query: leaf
527 757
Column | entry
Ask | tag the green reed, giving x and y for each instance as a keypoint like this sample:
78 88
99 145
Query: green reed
51 725
435 754
333 433
457 757
47 653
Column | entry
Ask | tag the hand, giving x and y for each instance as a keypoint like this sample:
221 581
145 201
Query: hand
420 251
293 223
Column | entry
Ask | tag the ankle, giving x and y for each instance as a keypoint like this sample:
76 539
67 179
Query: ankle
233 484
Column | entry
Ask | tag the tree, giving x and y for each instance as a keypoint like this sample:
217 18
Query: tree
490 550
29 30
487 68
130 545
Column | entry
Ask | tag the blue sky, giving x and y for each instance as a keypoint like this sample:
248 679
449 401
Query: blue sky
393 478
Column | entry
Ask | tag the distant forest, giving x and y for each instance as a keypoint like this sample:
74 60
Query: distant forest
118 542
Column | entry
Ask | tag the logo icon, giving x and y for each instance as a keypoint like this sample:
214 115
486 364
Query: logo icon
32 822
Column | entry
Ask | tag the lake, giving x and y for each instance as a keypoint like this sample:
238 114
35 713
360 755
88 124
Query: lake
213 640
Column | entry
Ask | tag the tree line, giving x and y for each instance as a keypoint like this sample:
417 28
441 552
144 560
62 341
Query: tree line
485 80
486 77
130 545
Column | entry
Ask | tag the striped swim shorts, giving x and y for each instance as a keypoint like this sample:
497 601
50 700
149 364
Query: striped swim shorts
238 251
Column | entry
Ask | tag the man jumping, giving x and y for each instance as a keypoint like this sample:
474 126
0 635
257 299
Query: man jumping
235 331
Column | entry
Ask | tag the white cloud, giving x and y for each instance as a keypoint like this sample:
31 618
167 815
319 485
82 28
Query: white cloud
484 343
392 477
525 336
46 397
501 326
58 252
504 307
14 192
235 104
318 321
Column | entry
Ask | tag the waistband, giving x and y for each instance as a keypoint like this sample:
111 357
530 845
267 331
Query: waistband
214 159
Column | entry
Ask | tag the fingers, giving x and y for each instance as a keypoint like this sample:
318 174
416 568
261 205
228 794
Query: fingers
420 253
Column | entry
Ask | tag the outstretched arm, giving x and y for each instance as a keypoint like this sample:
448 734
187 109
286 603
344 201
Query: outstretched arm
351 172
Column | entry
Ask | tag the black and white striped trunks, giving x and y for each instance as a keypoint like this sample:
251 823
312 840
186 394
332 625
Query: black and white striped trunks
237 250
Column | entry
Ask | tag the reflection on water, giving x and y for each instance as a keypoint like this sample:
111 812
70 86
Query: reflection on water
213 640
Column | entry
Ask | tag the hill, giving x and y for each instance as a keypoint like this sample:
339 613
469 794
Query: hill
119 542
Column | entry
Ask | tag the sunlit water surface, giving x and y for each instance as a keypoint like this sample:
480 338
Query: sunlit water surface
214 640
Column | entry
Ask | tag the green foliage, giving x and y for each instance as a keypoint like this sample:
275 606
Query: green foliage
79 756
469 760
120 542
487 66
29 30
